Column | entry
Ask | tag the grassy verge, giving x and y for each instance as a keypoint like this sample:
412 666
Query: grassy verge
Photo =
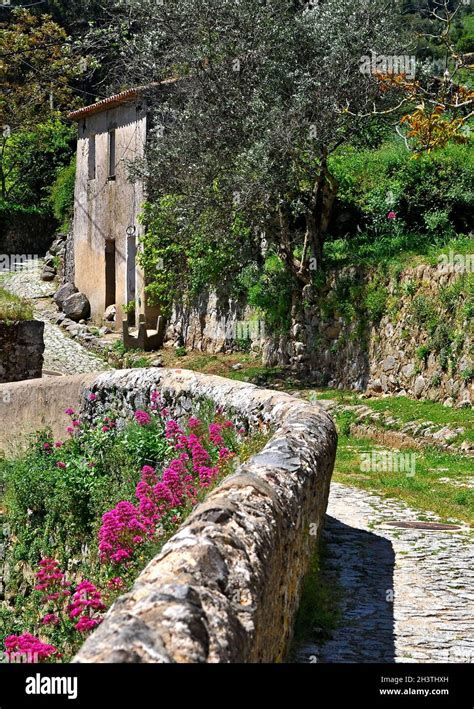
318 612
13 308
424 490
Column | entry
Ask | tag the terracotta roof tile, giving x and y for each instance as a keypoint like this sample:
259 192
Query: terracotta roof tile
115 100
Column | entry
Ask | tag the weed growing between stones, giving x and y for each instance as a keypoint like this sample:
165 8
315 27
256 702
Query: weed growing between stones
90 511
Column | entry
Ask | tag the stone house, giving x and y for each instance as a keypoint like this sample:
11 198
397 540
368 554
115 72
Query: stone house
107 205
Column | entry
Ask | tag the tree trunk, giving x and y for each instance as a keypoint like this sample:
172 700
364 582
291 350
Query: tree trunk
318 217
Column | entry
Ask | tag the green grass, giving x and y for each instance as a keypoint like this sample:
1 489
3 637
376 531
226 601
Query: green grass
13 308
318 612
422 491
407 410
411 410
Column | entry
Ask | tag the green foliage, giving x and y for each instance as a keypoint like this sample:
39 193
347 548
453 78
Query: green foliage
184 258
271 292
423 313
62 195
58 508
345 419
31 160
376 301
432 198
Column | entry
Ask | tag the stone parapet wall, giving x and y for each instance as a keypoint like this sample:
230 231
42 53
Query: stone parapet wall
226 586
21 350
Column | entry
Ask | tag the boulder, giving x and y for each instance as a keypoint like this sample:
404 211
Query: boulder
48 273
420 384
110 313
57 246
66 290
77 307
389 363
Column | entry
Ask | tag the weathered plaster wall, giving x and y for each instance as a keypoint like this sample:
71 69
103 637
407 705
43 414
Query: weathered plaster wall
26 407
104 207
226 587
21 350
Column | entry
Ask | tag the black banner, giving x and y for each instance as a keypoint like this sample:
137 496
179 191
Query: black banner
371 685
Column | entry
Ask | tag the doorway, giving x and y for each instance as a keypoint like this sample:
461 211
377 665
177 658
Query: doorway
110 278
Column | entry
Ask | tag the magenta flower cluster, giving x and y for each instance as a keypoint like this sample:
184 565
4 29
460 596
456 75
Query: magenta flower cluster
26 646
83 609
160 498
51 581
86 603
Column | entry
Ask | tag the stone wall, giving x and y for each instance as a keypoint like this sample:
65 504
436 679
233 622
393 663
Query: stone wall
226 586
213 322
21 350
332 341
29 234
420 347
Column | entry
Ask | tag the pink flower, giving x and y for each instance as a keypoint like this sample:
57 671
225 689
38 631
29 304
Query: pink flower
172 429
391 215
92 397
29 647
86 603
60 465
142 417
215 433
50 619
58 444
46 446
105 429
69 412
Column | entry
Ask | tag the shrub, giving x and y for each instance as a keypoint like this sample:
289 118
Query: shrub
376 301
62 195
431 197
271 293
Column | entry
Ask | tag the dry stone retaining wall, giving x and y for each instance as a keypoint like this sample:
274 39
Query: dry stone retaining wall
21 350
334 349
226 586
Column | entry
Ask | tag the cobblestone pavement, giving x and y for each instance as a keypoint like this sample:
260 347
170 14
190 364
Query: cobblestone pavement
62 354
404 595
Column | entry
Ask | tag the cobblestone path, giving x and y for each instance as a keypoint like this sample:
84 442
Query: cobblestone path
404 595
62 354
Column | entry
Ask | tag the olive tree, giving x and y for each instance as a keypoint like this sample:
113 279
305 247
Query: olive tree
257 95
